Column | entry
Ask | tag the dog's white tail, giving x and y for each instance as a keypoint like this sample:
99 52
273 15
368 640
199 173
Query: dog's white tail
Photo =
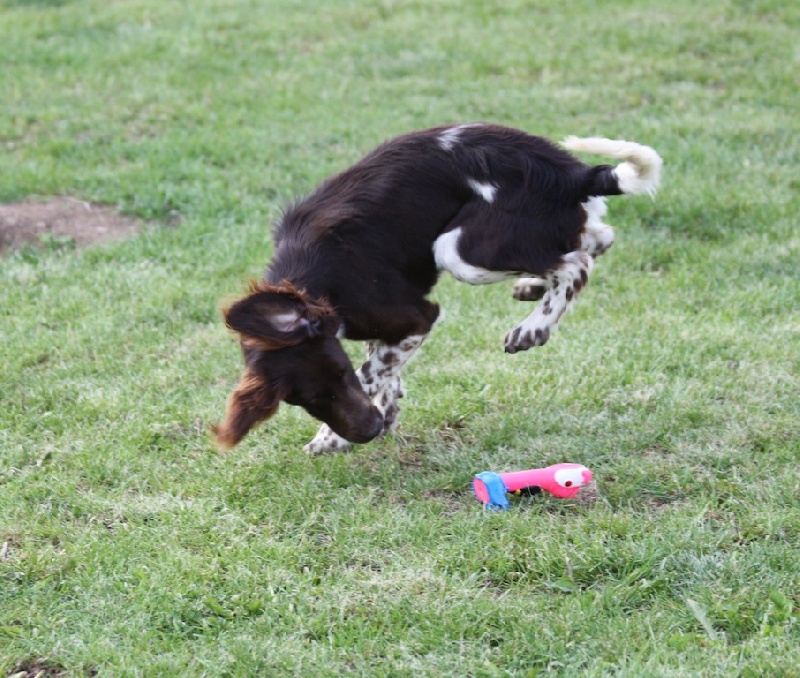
640 173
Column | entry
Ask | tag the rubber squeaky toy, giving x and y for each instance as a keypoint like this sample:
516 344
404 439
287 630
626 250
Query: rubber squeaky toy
561 480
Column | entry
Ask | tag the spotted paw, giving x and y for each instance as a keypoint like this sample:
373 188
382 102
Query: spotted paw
522 338
325 442
390 418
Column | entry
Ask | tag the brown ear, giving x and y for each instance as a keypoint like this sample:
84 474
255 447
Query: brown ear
252 402
272 317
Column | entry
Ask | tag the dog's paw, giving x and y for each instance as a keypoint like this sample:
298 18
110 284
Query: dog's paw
390 417
521 338
529 289
325 442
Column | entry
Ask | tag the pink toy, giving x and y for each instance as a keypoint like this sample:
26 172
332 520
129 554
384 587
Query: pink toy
561 480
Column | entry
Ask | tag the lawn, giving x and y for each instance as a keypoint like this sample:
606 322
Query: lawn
130 547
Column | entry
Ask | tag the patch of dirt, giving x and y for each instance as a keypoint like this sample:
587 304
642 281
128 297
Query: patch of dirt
588 495
7 545
61 222
37 668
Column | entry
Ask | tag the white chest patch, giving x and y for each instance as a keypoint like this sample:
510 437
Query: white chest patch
445 252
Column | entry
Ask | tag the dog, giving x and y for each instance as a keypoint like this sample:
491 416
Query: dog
356 259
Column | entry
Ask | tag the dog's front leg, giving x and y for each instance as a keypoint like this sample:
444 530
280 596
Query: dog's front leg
380 376
325 441
562 285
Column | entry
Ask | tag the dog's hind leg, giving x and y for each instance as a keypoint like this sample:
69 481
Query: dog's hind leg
563 284
597 237
529 289
380 379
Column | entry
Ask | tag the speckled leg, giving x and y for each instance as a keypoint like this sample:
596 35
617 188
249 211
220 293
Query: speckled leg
563 284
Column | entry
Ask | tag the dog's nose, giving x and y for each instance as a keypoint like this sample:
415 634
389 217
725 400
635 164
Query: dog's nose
372 429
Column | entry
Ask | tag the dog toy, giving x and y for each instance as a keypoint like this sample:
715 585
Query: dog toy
561 480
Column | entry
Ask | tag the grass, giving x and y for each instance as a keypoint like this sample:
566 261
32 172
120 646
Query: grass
131 547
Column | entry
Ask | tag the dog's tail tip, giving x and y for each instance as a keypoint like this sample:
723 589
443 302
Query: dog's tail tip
638 174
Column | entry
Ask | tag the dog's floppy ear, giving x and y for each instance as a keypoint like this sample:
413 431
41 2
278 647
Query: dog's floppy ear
272 318
253 401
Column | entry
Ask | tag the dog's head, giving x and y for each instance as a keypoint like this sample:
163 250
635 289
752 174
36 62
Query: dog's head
291 353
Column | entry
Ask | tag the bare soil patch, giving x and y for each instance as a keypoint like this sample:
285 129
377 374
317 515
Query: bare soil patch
37 668
61 221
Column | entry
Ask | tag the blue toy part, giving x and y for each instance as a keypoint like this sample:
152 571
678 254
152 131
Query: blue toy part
490 490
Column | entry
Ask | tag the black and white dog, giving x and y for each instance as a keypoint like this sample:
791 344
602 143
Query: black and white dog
357 258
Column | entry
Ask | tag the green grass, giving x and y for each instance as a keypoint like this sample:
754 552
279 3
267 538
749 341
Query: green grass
133 548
